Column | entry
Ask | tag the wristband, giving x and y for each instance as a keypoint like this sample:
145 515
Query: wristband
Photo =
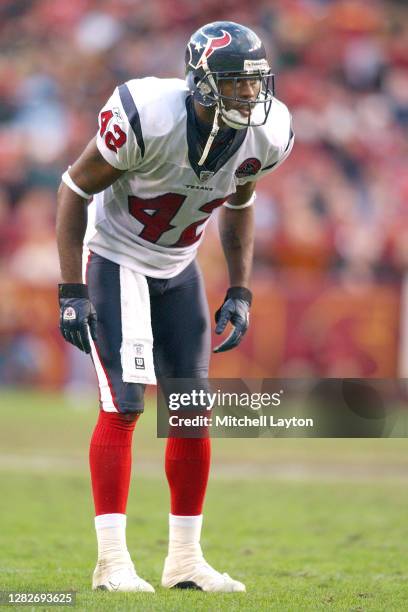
73 290
242 293
244 205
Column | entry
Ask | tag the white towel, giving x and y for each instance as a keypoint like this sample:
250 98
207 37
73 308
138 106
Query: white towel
137 337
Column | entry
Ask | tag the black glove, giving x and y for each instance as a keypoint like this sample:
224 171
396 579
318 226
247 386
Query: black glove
77 315
236 310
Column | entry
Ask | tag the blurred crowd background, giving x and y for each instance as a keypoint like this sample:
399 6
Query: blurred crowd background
332 222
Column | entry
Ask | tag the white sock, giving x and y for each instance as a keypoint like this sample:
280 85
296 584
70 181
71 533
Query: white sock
111 535
184 536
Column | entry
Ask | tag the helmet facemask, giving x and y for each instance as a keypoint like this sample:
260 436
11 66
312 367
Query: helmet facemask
208 93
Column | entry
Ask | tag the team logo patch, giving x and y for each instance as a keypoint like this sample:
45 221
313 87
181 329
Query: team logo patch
249 167
69 314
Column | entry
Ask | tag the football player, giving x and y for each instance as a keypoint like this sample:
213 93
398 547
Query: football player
168 152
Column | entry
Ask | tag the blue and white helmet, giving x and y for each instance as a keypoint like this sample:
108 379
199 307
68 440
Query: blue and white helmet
229 51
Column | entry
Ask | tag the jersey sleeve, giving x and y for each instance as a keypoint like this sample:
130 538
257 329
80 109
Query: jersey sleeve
278 155
117 139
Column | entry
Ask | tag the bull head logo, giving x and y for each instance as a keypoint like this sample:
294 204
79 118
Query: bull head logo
212 44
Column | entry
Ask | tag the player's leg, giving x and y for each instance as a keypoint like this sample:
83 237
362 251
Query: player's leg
110 454
181 327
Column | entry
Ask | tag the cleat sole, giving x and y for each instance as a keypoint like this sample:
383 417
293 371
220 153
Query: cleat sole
189 584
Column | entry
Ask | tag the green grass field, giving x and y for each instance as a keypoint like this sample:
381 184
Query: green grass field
306 524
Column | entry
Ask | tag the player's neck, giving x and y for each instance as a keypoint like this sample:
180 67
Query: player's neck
206 115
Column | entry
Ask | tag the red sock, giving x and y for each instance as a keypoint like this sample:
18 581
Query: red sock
187 468
110 460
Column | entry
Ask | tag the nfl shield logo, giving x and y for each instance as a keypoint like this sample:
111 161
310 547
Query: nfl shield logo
205 175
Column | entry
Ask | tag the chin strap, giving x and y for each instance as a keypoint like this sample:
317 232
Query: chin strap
213 133
233 118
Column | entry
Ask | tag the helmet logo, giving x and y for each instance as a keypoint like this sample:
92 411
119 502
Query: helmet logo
213 43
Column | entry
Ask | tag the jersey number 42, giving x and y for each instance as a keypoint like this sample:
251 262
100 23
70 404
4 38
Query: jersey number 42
156 215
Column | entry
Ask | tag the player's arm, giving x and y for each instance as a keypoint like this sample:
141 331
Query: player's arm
237 237
113 151
88 175
236 226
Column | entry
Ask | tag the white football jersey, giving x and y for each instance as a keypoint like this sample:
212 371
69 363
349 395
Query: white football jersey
152 218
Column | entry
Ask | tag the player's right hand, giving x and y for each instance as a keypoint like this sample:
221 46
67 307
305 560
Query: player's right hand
77 315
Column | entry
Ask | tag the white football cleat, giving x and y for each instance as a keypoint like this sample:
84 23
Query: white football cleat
197 574
123 579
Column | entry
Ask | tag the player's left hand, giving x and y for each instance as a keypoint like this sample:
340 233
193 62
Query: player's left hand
235 310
